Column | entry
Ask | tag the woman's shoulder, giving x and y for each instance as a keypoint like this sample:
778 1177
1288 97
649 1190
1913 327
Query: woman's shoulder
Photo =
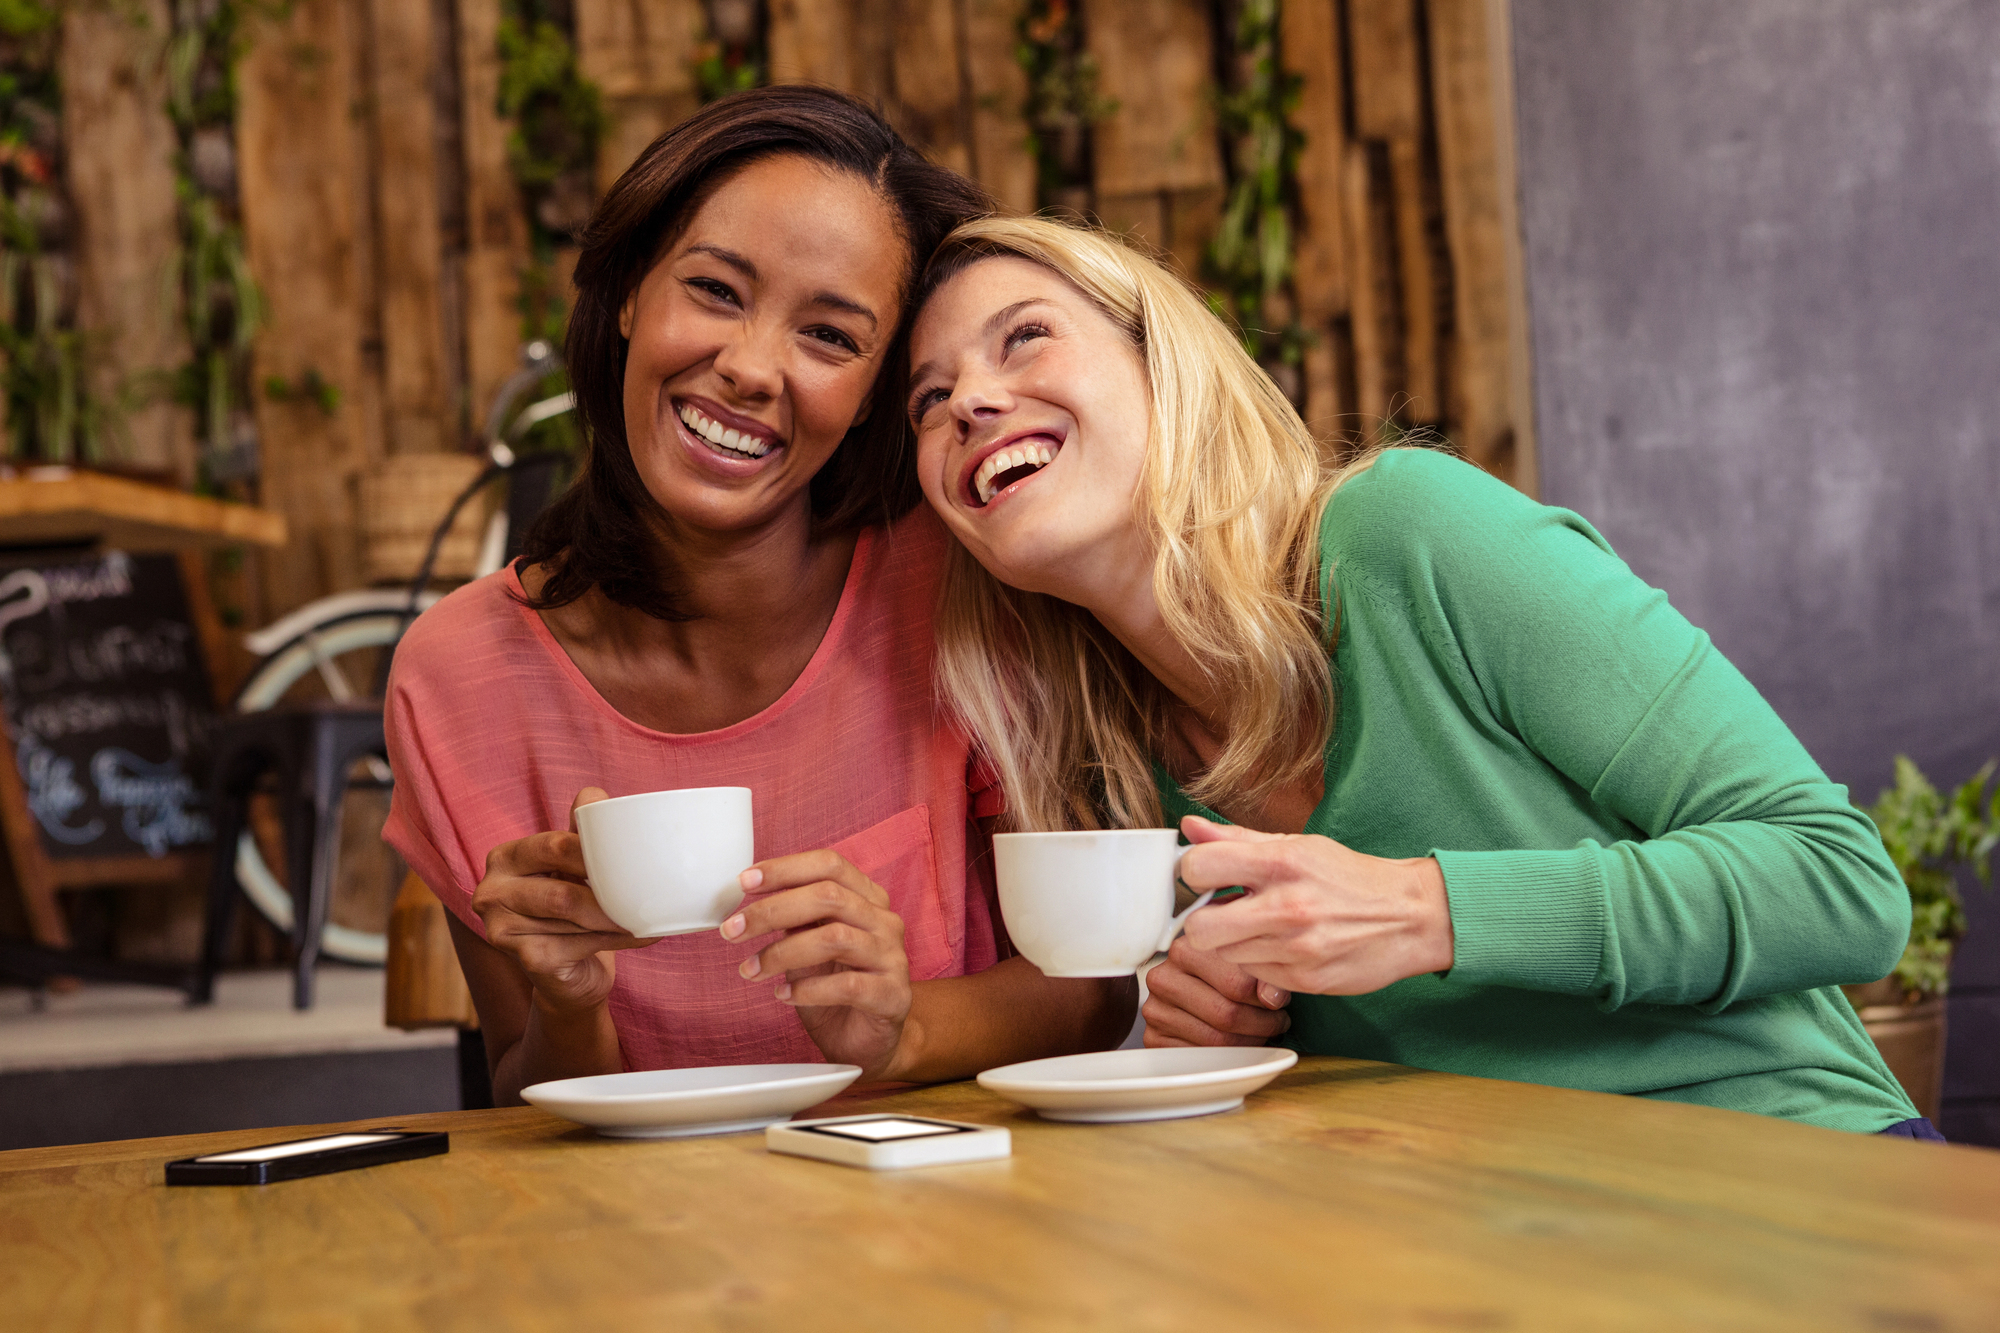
1416 511
916 541
476 631
1413 495
906 560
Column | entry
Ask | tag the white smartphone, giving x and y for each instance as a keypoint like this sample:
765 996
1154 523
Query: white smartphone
889 1142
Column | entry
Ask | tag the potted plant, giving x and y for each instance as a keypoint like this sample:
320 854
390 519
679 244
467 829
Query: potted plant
1929 835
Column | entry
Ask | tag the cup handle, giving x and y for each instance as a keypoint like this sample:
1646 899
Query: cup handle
1175 926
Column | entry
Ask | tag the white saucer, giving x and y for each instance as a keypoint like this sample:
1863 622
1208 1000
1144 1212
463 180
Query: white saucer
1163 1084
681 1103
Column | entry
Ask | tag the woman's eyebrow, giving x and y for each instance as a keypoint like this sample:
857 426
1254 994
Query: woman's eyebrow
986 330
835 301
738 262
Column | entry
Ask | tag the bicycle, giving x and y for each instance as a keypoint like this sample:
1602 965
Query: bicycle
347 637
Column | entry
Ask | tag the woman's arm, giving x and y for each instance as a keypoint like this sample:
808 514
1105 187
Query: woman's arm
527 1042
959 1026
1746 872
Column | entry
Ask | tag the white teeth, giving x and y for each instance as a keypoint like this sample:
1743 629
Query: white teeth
738 442
1006 460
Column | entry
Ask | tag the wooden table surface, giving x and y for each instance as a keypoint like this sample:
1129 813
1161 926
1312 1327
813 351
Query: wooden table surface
1347 1194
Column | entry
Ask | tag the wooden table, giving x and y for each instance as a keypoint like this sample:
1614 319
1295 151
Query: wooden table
1348 1194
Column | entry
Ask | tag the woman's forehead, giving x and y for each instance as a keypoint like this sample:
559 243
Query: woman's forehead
799 213
987 287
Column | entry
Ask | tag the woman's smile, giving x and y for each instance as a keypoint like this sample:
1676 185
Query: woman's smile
718 436
1001 468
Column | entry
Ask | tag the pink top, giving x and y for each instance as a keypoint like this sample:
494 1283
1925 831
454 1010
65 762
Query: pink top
493 731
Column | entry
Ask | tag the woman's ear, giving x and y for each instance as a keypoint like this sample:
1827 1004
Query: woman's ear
627 313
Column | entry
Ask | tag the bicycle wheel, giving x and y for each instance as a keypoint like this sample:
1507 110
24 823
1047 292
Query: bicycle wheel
337 660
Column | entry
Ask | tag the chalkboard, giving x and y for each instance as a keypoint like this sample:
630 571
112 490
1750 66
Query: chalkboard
108 703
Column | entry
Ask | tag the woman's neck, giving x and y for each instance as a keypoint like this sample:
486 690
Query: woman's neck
759 602
1129 609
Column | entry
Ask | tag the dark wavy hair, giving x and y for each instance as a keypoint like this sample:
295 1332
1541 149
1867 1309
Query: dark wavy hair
596 533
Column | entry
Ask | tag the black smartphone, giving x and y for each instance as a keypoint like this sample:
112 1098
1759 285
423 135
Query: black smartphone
307 1157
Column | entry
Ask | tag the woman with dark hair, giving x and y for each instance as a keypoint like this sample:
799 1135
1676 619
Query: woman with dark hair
736 591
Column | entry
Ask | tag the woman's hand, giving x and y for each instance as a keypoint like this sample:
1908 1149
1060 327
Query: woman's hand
1320 919
841 962
1197 999
538 908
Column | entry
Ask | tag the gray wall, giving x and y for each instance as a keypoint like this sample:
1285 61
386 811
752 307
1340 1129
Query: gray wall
1762 241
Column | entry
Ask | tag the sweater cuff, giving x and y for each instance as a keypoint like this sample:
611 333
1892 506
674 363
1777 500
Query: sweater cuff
1533 920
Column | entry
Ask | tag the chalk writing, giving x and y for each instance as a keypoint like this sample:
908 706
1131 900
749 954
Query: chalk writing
108 702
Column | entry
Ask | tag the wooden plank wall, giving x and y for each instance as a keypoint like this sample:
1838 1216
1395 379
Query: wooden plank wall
120 146
384 225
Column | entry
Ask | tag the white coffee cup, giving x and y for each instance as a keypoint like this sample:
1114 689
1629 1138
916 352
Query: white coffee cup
666 862
1090 904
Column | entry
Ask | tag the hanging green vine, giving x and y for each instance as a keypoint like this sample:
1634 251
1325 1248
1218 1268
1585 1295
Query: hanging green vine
558 118
218 298
733 57
1062 102
51 414
1248 266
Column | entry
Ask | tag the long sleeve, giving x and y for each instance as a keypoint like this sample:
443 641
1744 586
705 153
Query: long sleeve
1746 872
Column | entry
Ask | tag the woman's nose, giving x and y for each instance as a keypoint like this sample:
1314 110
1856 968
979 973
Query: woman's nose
750 363
977 399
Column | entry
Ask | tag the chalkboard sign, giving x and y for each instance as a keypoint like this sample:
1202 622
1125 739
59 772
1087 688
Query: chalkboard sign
108 703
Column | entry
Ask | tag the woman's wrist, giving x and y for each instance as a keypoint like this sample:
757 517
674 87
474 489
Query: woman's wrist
570 1041
1433 942
905 1062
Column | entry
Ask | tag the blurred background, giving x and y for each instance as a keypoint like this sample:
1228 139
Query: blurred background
1719 274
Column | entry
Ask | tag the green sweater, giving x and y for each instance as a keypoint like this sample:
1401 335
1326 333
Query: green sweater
1653 888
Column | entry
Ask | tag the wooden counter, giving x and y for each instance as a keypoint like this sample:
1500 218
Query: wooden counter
1348 1194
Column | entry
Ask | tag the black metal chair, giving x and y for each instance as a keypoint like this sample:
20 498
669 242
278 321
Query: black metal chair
310 749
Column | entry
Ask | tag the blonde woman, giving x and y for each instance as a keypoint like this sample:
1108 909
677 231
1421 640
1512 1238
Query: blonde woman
1499 808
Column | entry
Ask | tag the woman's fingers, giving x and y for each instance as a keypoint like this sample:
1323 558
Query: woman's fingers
1225 864
806 868
543 854
1199 999
873 993
826 923
588 796
556 905
818 900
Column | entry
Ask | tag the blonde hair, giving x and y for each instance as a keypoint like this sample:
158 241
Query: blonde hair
1231 493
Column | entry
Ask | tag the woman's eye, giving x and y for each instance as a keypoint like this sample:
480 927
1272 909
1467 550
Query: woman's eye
710 287
1026 333
921 405
833 338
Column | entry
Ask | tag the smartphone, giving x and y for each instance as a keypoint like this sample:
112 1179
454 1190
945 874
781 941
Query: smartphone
889 1142
297 1158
